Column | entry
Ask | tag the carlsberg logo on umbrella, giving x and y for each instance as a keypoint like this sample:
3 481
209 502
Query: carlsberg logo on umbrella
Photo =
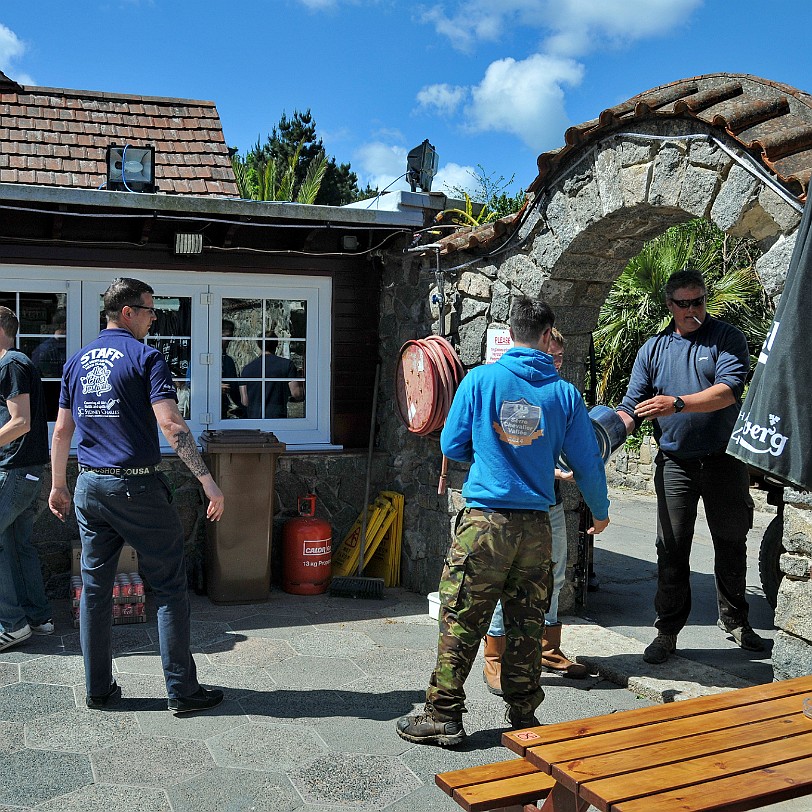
759 439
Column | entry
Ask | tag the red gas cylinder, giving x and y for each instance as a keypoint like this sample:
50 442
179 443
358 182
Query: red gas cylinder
306 551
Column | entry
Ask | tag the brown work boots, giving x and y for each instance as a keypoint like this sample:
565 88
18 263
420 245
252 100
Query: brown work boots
552 659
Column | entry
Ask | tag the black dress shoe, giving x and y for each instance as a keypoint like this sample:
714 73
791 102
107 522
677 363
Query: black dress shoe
104 700
202 699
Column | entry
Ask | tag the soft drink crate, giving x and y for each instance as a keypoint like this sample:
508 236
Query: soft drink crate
128 599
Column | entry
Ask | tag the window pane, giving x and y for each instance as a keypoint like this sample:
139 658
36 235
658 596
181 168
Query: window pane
264 360
171 335
41 336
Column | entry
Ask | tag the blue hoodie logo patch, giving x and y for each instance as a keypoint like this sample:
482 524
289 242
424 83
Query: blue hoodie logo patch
519 422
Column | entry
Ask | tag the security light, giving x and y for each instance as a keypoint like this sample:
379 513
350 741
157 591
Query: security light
189 243
421 166
131 168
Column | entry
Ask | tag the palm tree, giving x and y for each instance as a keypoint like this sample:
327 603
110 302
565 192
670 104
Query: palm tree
635 308
271 181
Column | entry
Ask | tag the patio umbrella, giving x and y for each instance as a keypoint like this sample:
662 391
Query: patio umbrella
773 432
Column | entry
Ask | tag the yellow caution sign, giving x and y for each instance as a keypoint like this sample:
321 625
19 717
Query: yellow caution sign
382 544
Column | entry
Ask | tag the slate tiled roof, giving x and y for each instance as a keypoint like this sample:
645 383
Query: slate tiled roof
772 121
57 137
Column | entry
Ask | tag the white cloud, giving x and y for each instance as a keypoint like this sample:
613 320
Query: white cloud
567 27
451 177
11 49
525 98
378 164
318 5
578 26
442 99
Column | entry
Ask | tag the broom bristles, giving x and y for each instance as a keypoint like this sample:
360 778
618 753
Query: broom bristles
356 587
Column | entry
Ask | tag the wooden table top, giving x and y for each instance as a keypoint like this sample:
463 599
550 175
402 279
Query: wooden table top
724 751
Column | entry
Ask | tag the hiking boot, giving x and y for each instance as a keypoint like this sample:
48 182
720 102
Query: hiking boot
104 701
200 700
422 727
744 636
9 639
660 649
518 719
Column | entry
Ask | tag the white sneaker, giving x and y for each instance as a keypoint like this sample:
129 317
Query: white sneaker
46 627
9 639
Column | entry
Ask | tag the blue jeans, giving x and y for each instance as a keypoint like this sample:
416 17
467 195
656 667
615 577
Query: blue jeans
22 592
558 526
136 510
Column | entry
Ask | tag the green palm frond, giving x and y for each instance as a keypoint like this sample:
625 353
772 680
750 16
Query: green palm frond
311 184
635 308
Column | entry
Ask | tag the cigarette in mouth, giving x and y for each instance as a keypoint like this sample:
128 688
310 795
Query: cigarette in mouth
696 320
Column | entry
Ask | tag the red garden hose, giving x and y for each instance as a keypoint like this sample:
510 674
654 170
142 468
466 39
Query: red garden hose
426 377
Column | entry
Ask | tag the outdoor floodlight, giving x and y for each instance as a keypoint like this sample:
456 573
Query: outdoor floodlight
421 166
131 168
189 243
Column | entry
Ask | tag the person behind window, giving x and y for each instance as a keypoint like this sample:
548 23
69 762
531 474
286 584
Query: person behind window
49 356
276 393
24 607
231 404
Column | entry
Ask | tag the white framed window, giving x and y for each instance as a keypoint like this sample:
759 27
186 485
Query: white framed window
273 373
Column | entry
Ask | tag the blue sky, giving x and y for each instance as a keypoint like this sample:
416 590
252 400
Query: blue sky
488 82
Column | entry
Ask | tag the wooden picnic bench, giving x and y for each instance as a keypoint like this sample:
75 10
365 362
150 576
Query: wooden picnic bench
726 752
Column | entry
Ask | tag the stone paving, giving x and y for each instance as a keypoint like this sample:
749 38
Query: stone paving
313 686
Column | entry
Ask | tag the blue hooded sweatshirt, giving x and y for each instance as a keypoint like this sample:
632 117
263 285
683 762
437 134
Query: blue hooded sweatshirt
511 420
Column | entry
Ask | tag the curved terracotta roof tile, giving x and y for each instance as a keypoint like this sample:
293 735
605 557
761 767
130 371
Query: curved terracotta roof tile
771 120
734 103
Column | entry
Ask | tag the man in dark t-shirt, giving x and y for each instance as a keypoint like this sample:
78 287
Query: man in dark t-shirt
24 607
116 393
270 394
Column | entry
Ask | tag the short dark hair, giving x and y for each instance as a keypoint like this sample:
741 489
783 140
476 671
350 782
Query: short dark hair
9 322
686 278
529 318
228 325
123 292
271 343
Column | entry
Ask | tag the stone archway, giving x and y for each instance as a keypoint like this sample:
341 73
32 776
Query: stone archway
733 149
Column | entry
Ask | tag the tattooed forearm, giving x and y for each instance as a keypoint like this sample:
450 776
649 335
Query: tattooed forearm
187 451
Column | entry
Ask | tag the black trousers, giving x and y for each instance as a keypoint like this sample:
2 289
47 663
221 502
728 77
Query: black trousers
724 486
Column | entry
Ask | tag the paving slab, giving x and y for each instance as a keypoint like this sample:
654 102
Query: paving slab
359 781
28 777
27 700
236 791
264 746
80 731
314 684
109 798
9 673
158 761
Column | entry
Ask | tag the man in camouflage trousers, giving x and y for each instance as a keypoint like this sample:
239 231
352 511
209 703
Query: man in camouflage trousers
511 420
